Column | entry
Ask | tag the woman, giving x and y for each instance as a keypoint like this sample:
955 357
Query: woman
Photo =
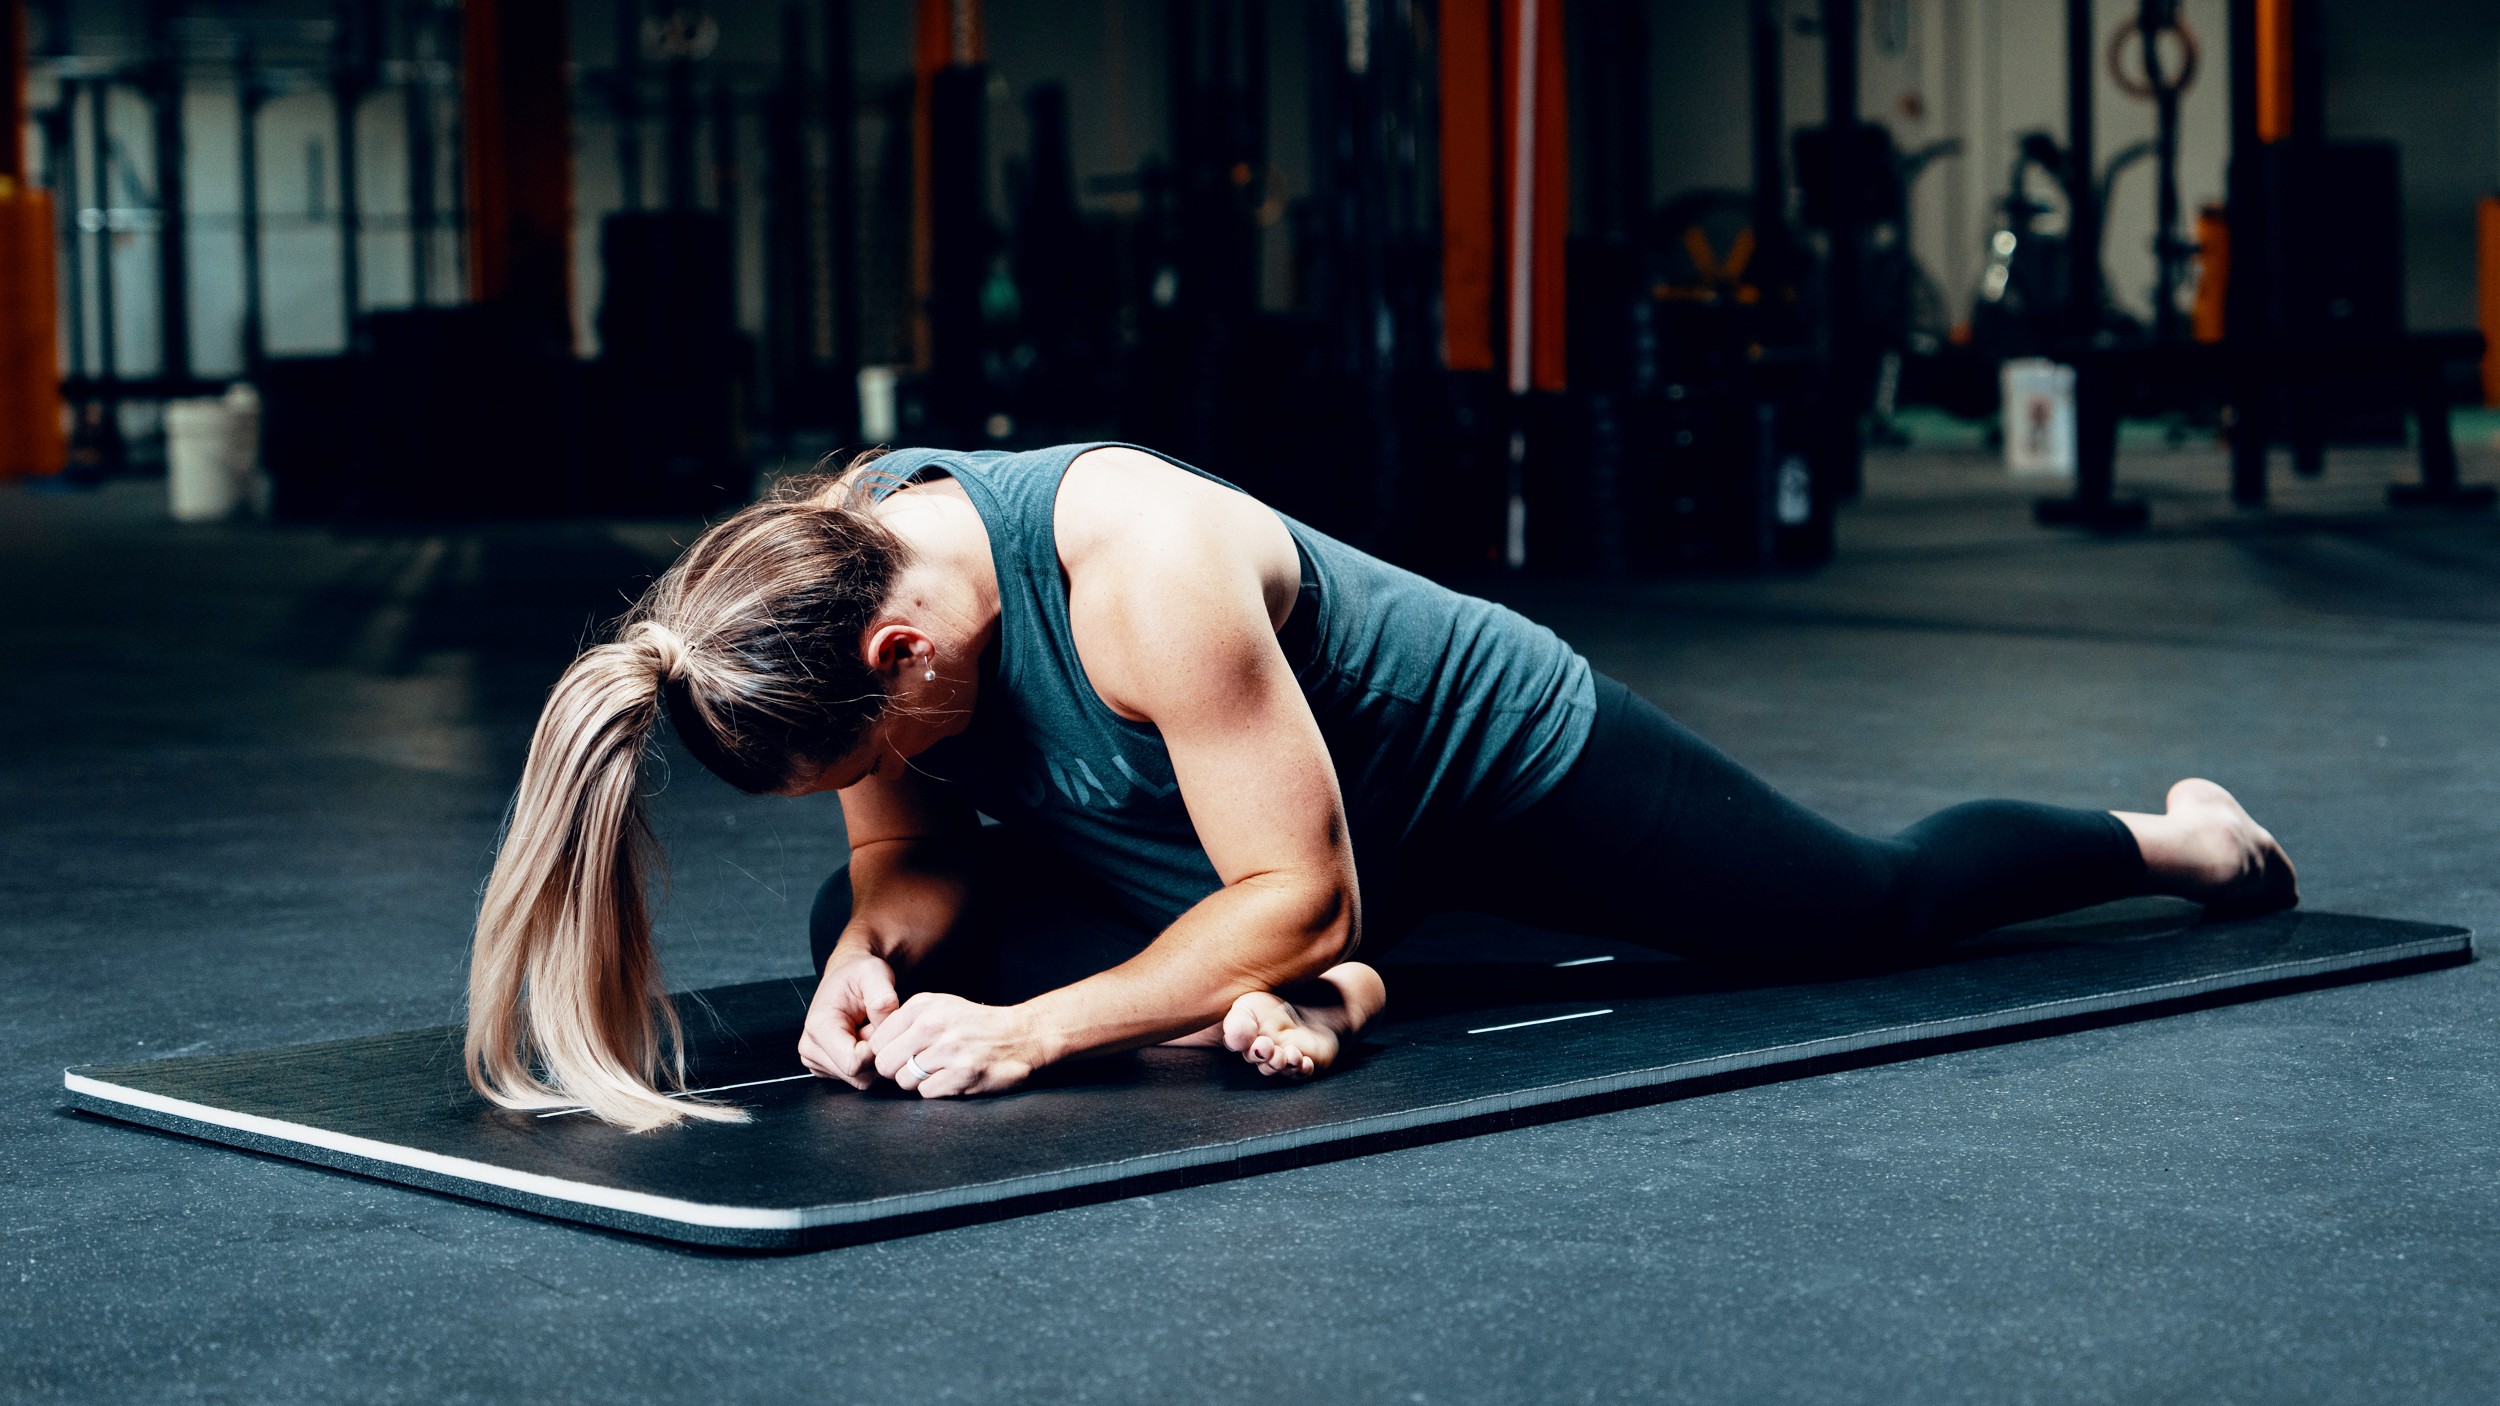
1225 752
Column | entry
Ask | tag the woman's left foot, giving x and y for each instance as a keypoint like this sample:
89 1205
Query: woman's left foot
2207 848
1300 1038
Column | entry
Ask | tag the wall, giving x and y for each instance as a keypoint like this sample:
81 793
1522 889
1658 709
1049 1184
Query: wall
299 190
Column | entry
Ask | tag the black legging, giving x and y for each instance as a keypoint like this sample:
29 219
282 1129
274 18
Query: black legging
1654 837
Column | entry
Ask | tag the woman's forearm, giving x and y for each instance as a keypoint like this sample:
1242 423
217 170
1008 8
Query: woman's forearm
1255 935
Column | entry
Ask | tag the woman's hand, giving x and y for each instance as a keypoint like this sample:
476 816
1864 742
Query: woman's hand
959 1046
857 992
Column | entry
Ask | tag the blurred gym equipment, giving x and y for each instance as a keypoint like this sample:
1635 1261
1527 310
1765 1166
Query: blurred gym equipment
1428 331
2313 320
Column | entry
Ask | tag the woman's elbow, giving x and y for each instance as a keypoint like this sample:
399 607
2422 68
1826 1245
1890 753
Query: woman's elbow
1314 922
1334 925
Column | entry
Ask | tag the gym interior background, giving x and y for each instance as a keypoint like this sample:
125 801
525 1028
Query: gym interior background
1683 327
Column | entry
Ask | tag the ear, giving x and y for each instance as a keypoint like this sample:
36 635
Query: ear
893 646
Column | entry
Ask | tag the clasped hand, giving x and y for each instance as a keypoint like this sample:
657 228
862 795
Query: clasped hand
934 1044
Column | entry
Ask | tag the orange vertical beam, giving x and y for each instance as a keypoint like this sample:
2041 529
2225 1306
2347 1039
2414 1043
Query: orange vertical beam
1470 229
945 34
519 154
2274 70
1502 256
2213 273
1548 213
31 434
2487 290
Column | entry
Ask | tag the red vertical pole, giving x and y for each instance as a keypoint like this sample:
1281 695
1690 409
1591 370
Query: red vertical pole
1470 232
32 440
1502 236
2487 291
518 135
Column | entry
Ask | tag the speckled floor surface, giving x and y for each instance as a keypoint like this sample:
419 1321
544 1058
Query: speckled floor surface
250 780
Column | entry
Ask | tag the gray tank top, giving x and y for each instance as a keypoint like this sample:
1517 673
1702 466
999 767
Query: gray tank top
1441 712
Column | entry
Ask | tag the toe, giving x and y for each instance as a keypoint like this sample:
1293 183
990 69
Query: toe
1241 1026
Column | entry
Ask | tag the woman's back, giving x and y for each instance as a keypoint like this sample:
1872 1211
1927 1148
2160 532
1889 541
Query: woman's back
1440 711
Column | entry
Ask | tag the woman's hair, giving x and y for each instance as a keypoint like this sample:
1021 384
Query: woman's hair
751 644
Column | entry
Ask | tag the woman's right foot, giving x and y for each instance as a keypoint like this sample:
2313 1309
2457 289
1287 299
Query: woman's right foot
2206 848
1300 1038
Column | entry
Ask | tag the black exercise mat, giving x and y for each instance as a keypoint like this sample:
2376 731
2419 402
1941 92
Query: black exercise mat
1476 1046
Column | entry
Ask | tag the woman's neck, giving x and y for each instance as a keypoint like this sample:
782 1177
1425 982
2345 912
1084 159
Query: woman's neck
950 590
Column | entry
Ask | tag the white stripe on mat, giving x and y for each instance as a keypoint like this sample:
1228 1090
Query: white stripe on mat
691 1093
1543 1020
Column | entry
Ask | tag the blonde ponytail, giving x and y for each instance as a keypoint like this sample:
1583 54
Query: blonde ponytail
750 644
566 1004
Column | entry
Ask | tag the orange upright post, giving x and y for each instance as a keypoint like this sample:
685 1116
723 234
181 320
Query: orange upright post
2213 274
32 437
2274 70
519 148
1502 240
2487 291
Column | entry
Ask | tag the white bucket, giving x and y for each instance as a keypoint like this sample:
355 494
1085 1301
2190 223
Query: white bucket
2039 417
199 454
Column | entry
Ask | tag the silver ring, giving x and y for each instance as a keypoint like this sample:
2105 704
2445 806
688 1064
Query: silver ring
912 1067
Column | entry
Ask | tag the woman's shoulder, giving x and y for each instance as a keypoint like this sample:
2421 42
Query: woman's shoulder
1108 475
1119 501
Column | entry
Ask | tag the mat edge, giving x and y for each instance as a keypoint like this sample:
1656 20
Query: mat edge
762 1227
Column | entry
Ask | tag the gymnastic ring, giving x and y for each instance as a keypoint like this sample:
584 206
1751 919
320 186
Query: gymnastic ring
911 1066
2131 32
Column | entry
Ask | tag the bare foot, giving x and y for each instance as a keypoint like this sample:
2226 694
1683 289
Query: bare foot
1300 1038
2206 848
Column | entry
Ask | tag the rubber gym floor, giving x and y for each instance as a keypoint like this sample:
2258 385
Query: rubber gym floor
250 779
